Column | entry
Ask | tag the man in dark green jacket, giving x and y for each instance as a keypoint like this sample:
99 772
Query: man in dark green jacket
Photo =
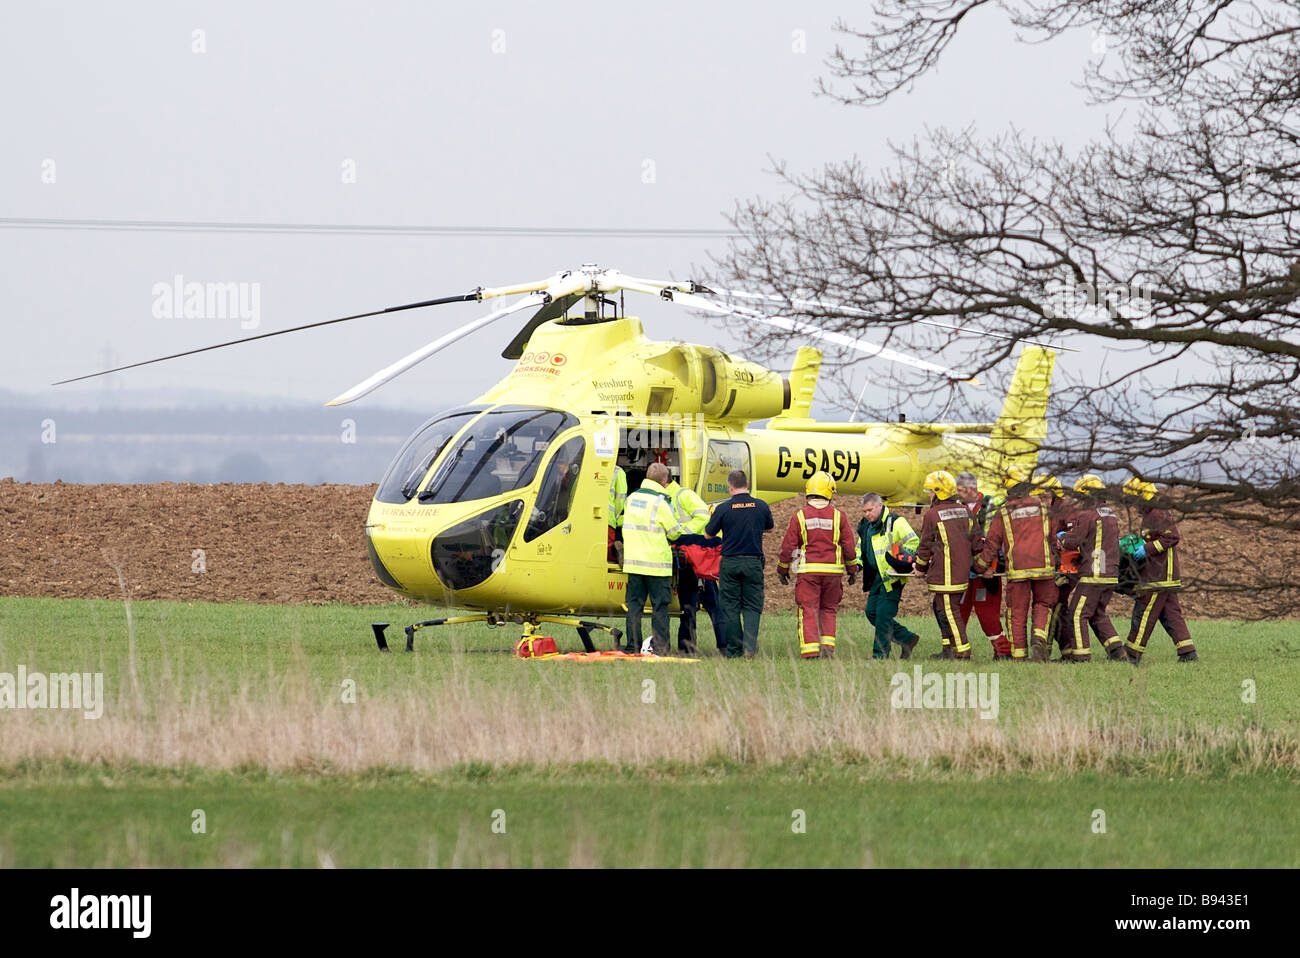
888 545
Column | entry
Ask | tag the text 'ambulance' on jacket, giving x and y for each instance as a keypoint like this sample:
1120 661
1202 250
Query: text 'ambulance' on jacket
948 539
742 520
824 538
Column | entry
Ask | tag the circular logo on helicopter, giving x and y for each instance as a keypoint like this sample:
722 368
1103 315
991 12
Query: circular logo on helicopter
540 362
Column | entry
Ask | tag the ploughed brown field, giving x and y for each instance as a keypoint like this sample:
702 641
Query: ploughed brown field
305 544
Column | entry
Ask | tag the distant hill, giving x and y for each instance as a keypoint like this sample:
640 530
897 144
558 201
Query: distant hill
156 438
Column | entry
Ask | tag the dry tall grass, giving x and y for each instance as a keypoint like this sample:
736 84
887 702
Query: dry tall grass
447 714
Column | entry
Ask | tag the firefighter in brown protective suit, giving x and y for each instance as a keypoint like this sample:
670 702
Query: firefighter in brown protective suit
1159 578
824 539
1022 529
983 595
1096 535
1062 510
943 557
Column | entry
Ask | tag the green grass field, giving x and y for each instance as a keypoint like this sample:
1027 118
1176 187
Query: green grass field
303 746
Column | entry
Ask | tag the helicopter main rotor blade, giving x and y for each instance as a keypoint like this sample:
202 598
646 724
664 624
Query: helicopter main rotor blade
424 352
871 349
793 325
475 295
463 298
561 285
854 311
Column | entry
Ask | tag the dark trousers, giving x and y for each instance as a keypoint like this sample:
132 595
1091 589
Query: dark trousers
740 582
1058 628
692 592
1160 605
659 588
882 612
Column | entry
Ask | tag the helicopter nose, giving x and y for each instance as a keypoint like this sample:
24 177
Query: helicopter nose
381 570
467 553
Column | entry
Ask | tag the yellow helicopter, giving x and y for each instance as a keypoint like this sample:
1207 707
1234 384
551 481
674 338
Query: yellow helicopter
500 506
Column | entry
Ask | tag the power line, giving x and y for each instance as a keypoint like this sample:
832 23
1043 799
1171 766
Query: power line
177 226
613 232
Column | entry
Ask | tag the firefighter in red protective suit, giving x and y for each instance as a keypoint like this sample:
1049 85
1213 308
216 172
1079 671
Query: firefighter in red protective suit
1159 578
1022 529
943 558
1096 535
824 539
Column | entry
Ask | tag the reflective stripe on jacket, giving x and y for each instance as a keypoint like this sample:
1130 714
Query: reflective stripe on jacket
1096 535
824 540
1161 571
948 537
648 524
688 508
893 529
1022 529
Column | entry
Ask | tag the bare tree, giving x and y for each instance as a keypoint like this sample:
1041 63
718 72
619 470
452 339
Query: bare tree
1172 241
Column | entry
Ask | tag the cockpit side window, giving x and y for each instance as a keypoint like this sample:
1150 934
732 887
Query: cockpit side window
559 484
499 453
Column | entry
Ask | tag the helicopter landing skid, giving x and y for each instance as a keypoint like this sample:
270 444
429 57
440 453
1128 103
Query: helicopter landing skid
530 625
582 625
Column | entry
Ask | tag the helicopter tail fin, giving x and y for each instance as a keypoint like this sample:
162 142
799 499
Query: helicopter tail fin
803 382
1022 426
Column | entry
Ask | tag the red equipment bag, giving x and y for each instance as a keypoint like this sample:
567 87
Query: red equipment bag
536 646
704 560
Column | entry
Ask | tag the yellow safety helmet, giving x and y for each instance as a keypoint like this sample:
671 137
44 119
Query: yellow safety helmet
1140 487
942 484
1016 474
820 484
1045 482
1089 483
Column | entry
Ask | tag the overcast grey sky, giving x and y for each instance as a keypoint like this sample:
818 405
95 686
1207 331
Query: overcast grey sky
498 115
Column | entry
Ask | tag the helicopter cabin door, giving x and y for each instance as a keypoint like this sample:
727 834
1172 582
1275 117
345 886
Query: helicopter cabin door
561 523
722 457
